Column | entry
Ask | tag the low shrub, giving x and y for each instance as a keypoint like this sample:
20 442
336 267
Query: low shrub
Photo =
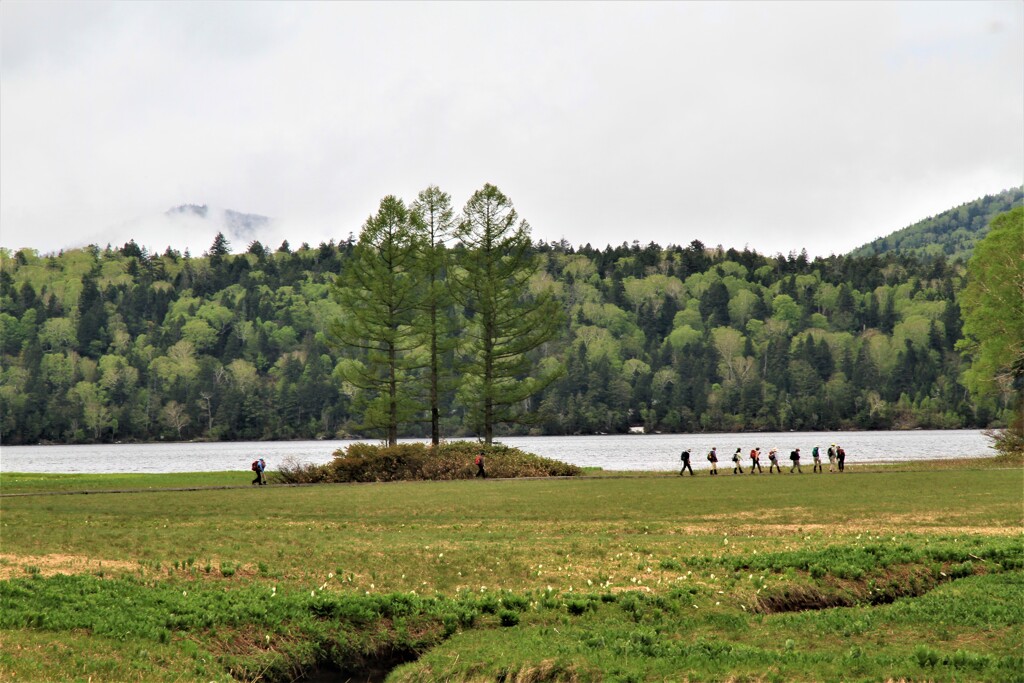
363 462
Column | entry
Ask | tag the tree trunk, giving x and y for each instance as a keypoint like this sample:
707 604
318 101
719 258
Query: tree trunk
392 397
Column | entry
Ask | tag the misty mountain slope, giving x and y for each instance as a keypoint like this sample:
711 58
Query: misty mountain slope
951 233
236 226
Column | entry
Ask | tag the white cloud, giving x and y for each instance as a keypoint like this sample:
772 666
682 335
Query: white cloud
778 125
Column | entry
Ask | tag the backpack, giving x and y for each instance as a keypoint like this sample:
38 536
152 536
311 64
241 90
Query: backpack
479 459
815 452
255 465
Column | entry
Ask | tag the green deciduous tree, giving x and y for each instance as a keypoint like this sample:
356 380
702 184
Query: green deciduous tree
506 320
993 307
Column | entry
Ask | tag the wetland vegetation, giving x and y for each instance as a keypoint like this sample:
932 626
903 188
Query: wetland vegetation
882 573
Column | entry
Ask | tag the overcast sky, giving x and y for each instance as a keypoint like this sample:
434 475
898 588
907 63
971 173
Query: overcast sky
778 126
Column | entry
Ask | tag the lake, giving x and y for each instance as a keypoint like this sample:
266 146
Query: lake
652 452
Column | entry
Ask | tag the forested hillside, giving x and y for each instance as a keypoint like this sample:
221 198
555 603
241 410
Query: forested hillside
951 234
118 344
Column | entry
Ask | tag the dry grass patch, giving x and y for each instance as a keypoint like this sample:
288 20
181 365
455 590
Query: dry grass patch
12 566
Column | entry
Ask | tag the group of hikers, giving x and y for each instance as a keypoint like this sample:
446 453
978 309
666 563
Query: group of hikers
836 460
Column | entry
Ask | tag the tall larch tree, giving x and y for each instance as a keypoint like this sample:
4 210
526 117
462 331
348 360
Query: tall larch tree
505 320
381 297
433 225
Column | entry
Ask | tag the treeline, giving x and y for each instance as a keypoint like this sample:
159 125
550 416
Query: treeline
117 344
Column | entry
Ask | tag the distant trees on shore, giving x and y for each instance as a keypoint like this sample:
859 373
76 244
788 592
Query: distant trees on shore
121 344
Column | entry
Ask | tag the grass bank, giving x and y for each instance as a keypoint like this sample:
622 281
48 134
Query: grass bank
871 575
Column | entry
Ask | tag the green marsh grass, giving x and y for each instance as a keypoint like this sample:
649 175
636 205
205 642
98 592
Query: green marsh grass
613 577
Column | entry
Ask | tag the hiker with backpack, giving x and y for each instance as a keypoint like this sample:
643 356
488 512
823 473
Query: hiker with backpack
736 461
832 458
713 459
685 457
795 457
841 456
816 456
259 467
755 460
773 459
479 462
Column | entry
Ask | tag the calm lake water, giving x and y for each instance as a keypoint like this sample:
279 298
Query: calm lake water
654 452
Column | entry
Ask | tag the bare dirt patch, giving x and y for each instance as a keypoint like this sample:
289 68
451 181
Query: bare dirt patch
13 566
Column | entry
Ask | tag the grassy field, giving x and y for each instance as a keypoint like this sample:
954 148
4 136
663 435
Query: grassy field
884 573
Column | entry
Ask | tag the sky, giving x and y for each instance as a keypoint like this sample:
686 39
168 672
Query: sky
770 125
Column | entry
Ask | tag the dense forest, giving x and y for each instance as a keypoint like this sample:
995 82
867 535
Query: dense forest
118 344
951 234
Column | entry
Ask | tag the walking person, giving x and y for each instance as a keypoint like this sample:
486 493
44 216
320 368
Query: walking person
832 458
713 459
479 462
841 456
259 466
685 457
755 461
773 460
736 461
795 457
816 456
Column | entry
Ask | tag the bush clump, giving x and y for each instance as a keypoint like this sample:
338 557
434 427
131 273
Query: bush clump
363 462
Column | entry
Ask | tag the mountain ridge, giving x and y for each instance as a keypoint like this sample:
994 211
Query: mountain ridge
952 233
